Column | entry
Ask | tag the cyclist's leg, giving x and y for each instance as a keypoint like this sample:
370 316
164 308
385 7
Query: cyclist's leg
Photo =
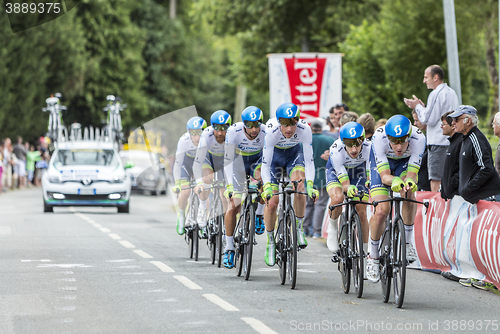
255 172
409 211
270 216
208 176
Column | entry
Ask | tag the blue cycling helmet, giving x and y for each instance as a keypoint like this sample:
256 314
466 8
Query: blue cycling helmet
220 117
252 114
352 130
196 123
287 110
398 126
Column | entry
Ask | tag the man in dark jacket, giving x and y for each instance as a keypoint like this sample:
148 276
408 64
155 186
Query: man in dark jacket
450 179
478 177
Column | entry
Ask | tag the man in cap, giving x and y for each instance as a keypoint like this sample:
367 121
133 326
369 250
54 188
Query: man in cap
478 177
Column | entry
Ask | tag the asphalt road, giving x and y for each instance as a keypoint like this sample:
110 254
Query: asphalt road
91 270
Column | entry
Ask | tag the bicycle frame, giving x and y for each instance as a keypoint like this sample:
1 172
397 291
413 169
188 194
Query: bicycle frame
215 226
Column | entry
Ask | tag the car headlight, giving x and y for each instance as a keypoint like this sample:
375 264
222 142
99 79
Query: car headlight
118 179
55 179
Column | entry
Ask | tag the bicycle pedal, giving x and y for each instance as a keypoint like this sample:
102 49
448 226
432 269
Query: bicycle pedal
335 258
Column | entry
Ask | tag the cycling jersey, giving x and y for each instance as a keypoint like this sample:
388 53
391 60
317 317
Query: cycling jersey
383 151
242 155
184 158
383 158
340 161
295 152
210 154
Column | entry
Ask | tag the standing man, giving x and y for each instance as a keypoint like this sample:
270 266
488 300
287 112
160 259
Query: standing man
423 182
441 100
478 178
315 212
449 182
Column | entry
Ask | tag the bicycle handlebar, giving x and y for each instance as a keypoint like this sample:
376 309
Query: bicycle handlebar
400 199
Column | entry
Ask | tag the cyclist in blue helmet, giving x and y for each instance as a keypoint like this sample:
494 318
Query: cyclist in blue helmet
347 172
209 160
397 150
243 156
183 165
287 149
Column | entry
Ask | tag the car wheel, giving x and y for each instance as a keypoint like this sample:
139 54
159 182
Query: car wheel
124 208
47 207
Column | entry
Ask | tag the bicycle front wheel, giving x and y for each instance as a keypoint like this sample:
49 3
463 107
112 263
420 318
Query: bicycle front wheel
344 261
248 238
356 244
239 249
218 241
196 238
399 261
291 223
385 263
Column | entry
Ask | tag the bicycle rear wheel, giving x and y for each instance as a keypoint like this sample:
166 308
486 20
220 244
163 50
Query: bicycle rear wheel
211 235
291 222
399 261
196 238
191 236
385 263
281 249
344 262
356 244
218 241
248 237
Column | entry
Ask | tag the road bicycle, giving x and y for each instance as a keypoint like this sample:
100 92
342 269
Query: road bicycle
114 127
392 250
244 235
350 255
56 129
215 224
191 228
286 234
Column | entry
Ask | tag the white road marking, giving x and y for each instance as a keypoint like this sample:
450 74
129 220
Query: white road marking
162 266
187 282
67 279
69 297
68 288
67 308
63 266
114 236
126 244
220 302
258 326
136 282
43 260
123 260
129 267
5 230
67 272
105 230
96 225
127 274
142 254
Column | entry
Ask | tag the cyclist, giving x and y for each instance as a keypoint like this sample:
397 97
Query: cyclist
397 150
346 172
210 159
183 165
287 148
243 156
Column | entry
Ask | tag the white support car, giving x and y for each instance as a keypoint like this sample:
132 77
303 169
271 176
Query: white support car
86 173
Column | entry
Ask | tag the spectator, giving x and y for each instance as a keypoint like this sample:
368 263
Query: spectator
20 166
8 163
368 122
335 113
331 131
32 157
478 178
450 180
423 181
315 212
348 116
380 122
441 100
1 165
496 131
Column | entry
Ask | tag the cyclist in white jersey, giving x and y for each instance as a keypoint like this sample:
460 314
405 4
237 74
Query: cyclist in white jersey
243 156
183 165
347 172
287 149
395 160
210 159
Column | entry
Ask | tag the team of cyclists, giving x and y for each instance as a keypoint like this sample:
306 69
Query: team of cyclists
356 167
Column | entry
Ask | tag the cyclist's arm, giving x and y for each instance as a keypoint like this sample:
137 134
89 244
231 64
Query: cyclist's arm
229 156
179 158
417 151
308 156
267 157
201 153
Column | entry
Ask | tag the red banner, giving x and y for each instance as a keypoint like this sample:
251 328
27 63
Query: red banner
306 76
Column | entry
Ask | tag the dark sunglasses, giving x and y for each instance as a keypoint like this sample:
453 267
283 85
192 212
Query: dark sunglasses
220 127
252 124
288 121
195 132
350 142
398 140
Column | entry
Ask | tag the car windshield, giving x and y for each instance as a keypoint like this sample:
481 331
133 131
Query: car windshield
85 157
